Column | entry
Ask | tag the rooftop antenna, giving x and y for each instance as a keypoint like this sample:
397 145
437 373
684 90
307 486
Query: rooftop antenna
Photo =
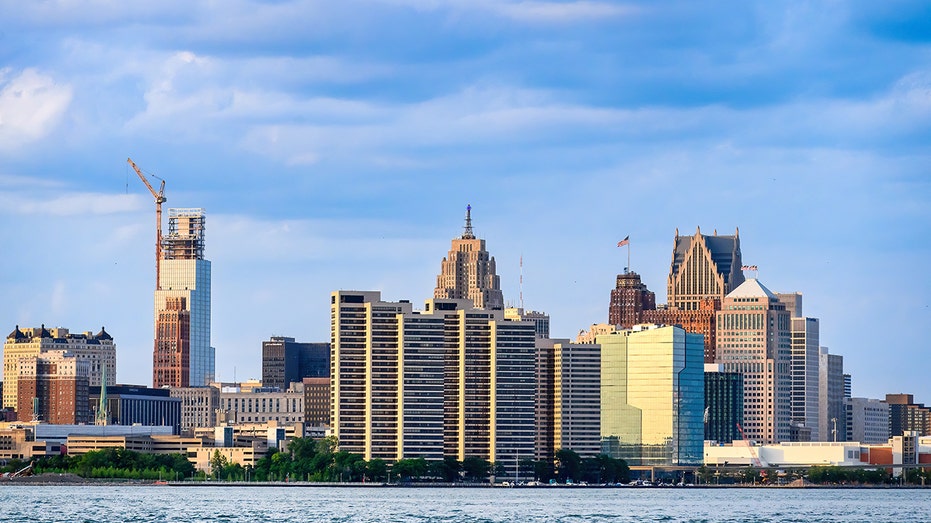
521 280
467 233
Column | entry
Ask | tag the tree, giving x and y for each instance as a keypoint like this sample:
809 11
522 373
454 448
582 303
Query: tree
217 463
475 468
568 466
409 468
447 469
377 469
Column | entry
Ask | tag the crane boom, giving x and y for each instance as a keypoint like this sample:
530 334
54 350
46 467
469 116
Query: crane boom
756 461
159 199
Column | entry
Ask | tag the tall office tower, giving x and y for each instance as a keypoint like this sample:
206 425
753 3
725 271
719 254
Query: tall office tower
571 407
182 305
724 404
285 361
541 320
652 395
53 388
452 380
703 267
905 415
805 369
544 447
98 350
754 338
867 420
832 415
317 401
703 270
468 272
629 299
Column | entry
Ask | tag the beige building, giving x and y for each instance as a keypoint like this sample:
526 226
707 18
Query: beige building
451 380
98 350
199 406
260 405
754 339
468 272
572 411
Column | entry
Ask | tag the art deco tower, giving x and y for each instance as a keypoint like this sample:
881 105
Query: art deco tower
468 272
183 356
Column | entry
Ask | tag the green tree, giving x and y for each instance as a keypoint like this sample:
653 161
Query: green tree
568 466
410 468
377 469
217 463
475 468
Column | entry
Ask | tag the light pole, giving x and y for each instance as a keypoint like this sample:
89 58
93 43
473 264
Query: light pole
834 430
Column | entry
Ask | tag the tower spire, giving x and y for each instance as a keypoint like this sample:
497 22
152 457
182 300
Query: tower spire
467 233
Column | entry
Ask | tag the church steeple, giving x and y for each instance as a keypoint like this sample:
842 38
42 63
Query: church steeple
467 233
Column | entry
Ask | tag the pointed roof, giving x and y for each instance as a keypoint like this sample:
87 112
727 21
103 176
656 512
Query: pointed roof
16 334
103 335
752 288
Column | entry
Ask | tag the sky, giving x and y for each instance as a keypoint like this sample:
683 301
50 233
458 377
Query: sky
335 145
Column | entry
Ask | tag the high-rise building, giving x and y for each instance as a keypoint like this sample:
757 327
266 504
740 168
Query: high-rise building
285 361
629 299
724 404
570 407
867 420
832 415
468 272
703 267
52 387
805 370
451 380
541 320
703 271
98 350
754 339
652 395
317 401
905 415
182 355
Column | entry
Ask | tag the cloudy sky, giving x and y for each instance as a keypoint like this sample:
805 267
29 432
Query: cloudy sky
335 145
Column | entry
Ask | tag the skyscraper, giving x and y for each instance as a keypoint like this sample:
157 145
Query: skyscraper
754 339
832 415
468 272
568 398
703 270
652 395
285 361
182 305
451 380
629 299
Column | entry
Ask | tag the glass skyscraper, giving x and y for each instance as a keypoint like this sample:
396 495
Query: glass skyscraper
652 395
183 356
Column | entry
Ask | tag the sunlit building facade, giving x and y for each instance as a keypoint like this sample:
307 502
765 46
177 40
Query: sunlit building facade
652 395
468 272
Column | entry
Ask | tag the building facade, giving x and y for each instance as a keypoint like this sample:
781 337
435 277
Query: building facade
98 350
724 404
867 420
451 380
629 299
53 388
805 370
199 406
262 405
317 402
754 339
541 320
134 405
907 416
285 361
569 406
832 415
652 395
182 305
468 272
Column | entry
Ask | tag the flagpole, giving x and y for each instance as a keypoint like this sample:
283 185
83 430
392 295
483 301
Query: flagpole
628 257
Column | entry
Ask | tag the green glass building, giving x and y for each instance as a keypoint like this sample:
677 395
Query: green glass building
652 395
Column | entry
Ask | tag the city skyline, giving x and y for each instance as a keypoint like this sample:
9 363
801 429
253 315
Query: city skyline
337 146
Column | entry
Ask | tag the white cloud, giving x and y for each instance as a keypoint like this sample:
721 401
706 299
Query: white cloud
31 105
68 204
534 11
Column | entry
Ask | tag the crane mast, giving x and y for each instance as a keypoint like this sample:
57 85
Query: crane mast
159 199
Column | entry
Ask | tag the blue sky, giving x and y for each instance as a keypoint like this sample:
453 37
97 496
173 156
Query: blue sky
335 145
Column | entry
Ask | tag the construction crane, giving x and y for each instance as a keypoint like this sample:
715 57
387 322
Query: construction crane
159 200
756 461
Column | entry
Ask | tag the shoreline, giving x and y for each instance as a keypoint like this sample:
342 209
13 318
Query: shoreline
54 479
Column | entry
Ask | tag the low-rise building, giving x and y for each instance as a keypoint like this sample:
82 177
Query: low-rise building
263 404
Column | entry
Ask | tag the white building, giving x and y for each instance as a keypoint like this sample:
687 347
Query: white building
867 420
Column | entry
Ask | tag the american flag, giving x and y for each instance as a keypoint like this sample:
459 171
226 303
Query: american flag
749 268
624 242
